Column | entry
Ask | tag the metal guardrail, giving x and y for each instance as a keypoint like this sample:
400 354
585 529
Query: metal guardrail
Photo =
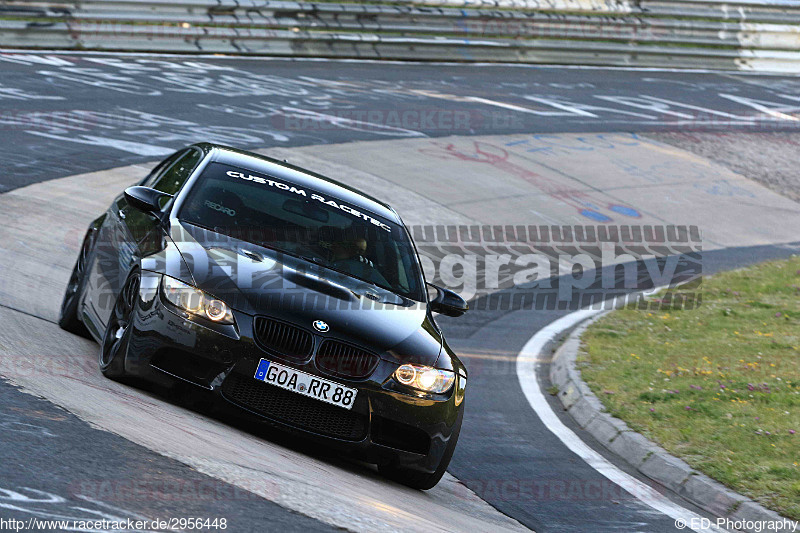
743 34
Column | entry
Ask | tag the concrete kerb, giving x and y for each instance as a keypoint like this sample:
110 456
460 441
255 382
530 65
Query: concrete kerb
647 457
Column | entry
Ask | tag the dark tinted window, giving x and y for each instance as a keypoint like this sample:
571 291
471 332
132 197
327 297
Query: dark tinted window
301 222
176 175
161 167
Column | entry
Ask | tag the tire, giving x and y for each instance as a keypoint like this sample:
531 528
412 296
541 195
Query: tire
68 318
118 331
423 480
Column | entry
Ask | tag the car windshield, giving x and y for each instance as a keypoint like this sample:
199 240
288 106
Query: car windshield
257 208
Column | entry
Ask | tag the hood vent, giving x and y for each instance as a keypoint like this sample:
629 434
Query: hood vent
283 339
345 360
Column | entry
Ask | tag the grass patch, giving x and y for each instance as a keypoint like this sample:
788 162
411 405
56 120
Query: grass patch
718 385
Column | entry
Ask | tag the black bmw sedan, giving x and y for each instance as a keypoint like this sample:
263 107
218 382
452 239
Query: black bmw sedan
292 296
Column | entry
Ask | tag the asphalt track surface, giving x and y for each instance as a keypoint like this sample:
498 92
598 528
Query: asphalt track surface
59 467
68 114
65 114
508 457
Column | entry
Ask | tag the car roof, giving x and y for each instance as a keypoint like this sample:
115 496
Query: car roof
298 176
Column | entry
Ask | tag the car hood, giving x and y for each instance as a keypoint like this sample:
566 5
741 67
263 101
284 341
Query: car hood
260 281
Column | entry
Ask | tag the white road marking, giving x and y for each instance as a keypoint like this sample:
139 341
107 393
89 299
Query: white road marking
721 72
526 373
148 150
759 106
506 105
349 123
544 217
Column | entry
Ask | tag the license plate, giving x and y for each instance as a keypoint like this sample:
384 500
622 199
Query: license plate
305 384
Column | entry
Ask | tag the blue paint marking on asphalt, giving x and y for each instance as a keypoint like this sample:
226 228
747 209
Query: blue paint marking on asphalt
627 211
594 215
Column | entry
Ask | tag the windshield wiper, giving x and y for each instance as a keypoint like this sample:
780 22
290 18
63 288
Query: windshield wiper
315 260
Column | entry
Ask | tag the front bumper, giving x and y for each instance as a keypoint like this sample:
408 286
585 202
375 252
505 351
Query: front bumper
385 424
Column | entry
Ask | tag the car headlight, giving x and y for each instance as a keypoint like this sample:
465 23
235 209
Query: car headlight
196 302
424 378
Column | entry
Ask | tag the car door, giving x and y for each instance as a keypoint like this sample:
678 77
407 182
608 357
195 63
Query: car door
128 233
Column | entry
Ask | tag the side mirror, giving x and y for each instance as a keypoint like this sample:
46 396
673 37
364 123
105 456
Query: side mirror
447 302
145 199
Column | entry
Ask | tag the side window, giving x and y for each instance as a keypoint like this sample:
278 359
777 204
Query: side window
161 167
175 176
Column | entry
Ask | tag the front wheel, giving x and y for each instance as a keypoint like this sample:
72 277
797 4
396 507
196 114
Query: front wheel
68 318
118 331
423 480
